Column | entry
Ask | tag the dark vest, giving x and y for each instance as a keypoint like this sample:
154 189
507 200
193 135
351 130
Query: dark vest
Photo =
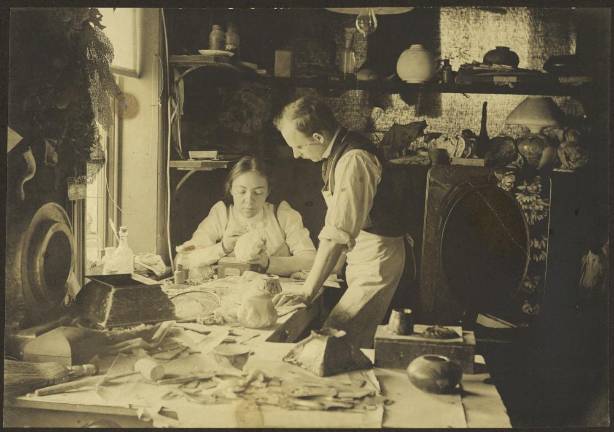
386 214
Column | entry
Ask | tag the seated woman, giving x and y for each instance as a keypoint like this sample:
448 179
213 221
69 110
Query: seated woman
287 245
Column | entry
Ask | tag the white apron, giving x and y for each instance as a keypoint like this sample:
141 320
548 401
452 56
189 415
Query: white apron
374 268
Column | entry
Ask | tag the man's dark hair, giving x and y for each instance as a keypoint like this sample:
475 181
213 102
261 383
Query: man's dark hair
309 114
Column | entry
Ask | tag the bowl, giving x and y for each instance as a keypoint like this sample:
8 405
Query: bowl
232 355
434 373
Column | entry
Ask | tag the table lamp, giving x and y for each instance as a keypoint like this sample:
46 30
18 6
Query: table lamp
536 113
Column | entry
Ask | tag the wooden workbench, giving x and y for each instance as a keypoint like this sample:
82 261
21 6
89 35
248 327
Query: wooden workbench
481 405
477 405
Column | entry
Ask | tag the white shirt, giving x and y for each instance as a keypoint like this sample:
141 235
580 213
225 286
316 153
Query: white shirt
285 234
357 175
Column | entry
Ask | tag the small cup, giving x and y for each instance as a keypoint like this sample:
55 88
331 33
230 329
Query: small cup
401 322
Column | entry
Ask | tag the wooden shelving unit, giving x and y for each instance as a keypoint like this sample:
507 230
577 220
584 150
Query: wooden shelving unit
547 86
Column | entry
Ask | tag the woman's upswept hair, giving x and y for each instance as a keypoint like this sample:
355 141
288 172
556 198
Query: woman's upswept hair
309 114
243 165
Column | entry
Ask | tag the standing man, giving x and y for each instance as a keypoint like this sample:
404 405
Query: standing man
363 218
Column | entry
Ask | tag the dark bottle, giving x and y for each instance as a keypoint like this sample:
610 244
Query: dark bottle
446 72
482 141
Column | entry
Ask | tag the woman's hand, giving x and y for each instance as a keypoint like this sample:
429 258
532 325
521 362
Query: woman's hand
262 260
229 240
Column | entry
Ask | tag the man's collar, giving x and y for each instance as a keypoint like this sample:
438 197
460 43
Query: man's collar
329 149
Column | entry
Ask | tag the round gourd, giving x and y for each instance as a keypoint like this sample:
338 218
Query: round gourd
434 373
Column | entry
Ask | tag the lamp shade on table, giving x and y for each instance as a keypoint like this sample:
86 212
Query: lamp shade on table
536 112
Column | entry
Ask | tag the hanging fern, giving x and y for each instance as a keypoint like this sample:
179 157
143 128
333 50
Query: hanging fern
102 83
61 63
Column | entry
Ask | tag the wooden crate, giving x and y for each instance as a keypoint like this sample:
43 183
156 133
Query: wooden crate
396 351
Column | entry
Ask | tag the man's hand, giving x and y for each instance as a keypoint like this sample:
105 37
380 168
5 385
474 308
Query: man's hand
294 295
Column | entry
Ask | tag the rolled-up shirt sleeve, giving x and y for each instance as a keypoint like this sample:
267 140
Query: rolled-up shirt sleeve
357 175
297 236
207 238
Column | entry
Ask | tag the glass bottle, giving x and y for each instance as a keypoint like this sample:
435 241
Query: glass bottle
446 72
106 260
483 140
217 38
122 259
232 38
347 65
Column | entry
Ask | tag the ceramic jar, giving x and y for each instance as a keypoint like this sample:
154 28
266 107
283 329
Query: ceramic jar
401 322
501 56
434 373
257 310
217 38
232 39
532 148
415 65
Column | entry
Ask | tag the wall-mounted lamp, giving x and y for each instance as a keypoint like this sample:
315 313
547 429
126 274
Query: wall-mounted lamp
366 18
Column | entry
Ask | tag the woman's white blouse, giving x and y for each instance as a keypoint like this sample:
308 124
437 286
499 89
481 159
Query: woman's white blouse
287 238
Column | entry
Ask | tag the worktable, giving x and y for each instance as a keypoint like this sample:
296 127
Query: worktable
481 404
476 405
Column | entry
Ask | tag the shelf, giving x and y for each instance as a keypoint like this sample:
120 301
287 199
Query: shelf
548 87
199 165
395 86
192 166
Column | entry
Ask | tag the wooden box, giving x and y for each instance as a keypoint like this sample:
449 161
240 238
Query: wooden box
397 351
229 266
118 300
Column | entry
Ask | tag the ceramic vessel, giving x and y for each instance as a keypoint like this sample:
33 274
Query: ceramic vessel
401 322
434 373
531 148
233 355
501 151
439 156
415 65
257 310
217 38
501 56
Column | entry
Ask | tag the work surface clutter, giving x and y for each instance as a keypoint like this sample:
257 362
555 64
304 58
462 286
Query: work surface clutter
208 368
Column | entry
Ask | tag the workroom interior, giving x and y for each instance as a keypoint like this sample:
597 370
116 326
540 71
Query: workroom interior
308 217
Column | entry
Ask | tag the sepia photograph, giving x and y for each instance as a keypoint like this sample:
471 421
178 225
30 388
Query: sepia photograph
307 216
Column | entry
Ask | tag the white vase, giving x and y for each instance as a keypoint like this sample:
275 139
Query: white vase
415 65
